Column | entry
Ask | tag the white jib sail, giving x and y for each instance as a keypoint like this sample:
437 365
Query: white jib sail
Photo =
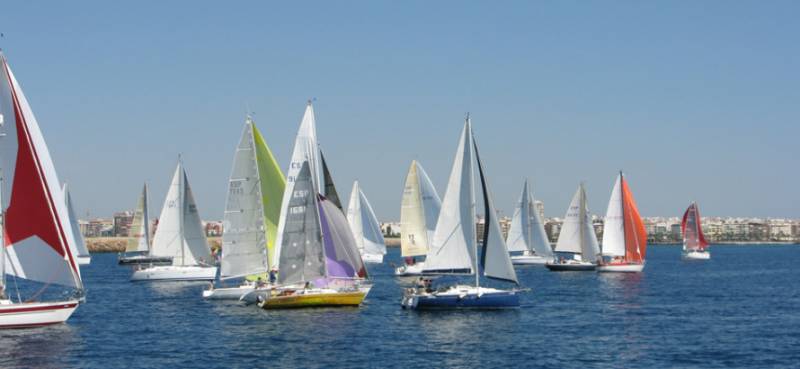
590 248
614 224
305 149
364 224
541 244
569 239
244 237
453 247
79 243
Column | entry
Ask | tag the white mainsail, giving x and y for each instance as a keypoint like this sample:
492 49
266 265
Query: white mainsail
79 243
36 224
418 213
519 234
577 233
364 224
614 224
305 149
180 231
139 240
454 241
244 243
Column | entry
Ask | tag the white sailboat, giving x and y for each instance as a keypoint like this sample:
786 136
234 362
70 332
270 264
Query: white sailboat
365 227
695 246
80 251
179 235
137 250
577 239
624 237
454 250
527 234
316 254
418 215
251 216
36 230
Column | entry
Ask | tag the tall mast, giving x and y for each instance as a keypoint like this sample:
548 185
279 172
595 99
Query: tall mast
582 215
180 214
471 144
2 242
622 205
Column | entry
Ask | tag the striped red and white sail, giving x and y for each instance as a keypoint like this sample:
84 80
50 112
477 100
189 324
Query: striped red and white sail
37 230
693 238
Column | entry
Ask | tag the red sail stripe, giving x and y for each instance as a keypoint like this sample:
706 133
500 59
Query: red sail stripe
31 211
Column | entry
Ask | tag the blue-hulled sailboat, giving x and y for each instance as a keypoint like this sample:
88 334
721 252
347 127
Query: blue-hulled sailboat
454 250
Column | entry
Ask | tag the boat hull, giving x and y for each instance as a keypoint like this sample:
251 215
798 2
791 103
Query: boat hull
409 270
372 258
145 260
175 273
620 268
529 260
228 293
461 298
570 267
35 314
311 298
697 255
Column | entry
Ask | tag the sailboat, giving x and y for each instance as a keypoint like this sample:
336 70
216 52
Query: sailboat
317 259
179 235
576 248
252 209
137 250
418 215
527 233
695 246
624 236
36 231
365 227
454 250
80 252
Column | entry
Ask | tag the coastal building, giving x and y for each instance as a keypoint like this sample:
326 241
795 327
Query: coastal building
122 223
213 228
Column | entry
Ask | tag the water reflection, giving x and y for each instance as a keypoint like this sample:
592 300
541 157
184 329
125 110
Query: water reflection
45 347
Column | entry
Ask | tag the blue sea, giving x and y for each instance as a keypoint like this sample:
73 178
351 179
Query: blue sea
740 309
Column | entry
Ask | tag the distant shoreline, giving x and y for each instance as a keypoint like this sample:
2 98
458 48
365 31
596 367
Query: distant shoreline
117 244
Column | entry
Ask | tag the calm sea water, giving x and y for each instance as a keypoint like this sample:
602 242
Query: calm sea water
740 309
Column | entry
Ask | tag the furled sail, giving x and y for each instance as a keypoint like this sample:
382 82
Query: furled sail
36 225
364 224
305 150
139 234
454 245
301 254
419 212
80 244
693 238
180 231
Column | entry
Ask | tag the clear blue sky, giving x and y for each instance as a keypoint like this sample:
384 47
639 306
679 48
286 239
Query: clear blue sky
694 100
